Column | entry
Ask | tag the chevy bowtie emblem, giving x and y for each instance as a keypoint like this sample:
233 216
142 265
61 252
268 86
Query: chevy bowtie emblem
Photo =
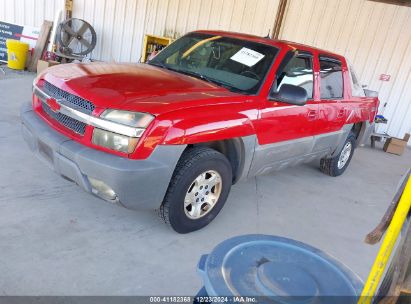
53 104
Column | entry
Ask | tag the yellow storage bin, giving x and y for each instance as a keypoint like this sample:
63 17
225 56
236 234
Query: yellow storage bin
17 54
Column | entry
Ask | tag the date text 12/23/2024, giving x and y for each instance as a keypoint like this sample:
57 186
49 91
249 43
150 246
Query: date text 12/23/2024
202 299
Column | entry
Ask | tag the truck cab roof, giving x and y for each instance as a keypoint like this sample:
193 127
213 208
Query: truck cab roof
274 42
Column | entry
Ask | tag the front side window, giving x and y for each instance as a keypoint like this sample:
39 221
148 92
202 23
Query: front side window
299 72
238 65
331 78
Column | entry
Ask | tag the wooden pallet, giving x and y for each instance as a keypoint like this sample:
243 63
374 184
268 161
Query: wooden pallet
41 45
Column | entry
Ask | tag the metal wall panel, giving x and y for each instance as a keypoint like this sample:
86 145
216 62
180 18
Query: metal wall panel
121 24
375 37
29 12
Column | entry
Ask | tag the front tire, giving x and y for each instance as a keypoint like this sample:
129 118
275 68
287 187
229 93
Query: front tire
198 189
336 165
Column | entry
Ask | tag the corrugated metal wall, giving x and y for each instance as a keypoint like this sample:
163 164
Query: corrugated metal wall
121 24
375 37
28 12
134 18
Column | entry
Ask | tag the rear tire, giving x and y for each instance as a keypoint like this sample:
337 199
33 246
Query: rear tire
336 165
197 191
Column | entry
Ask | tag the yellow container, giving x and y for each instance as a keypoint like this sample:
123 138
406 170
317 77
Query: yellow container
17 54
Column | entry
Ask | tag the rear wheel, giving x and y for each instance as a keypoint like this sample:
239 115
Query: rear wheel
336 165
197 191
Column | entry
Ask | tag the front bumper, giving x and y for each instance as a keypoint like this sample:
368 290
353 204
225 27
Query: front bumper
137 184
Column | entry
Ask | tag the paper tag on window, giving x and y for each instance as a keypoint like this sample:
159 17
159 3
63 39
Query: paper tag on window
247 57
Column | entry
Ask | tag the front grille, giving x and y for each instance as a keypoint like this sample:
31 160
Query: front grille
70 99
71 123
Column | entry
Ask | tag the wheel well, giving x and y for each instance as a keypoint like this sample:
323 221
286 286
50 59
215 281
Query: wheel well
356 129
233 149
362 132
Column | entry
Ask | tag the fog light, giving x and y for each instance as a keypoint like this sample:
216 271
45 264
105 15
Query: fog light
102 189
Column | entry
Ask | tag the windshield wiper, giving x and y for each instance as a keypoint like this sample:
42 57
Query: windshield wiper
208 79
159 64
196 75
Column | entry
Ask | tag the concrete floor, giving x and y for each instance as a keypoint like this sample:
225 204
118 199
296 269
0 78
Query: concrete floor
56 239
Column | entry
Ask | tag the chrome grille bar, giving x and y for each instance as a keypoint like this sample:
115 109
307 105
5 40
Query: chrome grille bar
88 119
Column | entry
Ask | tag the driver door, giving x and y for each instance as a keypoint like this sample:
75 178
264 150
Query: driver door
285 131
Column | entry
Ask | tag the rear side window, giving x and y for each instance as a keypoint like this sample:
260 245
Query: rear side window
298 71
331 78
356 88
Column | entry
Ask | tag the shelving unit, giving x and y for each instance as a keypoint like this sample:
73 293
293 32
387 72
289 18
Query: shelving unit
153 43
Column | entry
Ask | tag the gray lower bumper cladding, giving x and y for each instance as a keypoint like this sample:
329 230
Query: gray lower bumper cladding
137 184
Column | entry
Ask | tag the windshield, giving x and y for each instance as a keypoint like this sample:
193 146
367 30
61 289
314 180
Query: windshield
237 65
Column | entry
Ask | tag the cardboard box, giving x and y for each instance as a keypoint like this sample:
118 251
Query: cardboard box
42 65
396 145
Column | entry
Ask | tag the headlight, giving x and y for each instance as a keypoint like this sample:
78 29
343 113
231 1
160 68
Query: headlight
133 119
116 141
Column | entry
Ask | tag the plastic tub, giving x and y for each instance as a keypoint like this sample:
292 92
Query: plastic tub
17 54
276 270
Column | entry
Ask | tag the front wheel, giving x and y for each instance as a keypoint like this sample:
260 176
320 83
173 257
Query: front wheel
198 189
336 166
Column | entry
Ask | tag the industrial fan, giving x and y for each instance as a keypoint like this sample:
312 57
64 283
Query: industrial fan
76 38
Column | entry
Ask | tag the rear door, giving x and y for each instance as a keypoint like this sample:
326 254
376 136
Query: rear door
332 107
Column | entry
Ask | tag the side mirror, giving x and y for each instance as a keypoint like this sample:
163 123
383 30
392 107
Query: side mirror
289 93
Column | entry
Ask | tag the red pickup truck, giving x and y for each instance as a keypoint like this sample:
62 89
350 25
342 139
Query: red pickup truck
209 110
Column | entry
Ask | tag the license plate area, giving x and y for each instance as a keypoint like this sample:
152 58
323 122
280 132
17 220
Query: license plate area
46 152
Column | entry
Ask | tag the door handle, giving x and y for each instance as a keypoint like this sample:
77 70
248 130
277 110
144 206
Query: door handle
312 115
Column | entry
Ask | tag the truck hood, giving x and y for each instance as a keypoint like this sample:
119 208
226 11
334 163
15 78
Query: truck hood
136 87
